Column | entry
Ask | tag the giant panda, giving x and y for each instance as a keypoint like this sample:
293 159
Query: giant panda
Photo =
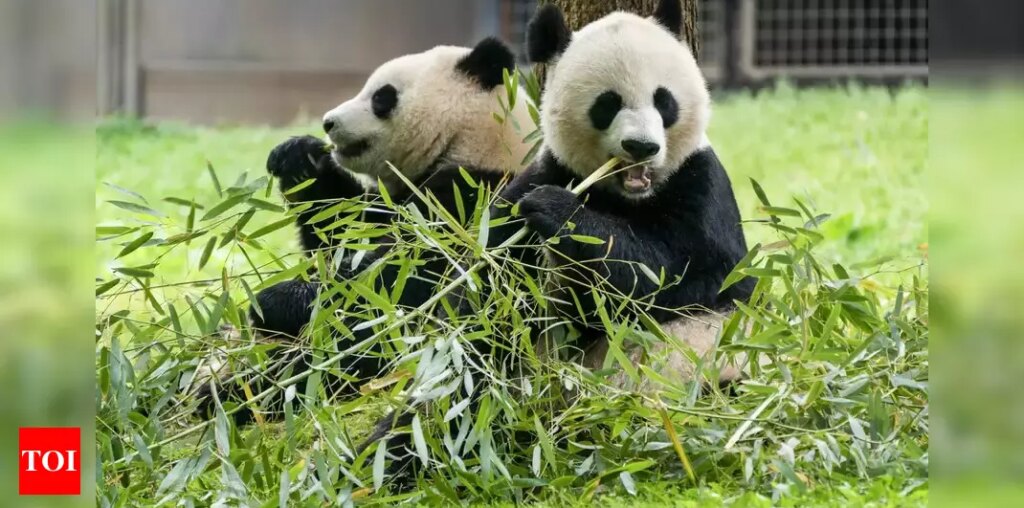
429 114
425 113
624 86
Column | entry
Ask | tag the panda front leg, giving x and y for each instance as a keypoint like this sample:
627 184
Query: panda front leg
550 209
286 307
302 158
694 266
284 310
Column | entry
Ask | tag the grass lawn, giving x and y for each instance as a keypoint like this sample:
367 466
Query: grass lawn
857 154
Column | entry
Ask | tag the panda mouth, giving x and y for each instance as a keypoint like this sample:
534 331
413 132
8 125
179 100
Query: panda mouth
636 178
354 149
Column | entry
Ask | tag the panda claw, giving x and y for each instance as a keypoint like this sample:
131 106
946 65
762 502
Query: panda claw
296 160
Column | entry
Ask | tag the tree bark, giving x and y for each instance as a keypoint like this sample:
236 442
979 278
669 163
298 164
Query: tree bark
580 12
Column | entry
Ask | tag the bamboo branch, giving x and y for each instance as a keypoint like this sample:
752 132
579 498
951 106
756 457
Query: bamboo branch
402 320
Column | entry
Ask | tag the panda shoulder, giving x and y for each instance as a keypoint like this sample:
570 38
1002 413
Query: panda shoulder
703 159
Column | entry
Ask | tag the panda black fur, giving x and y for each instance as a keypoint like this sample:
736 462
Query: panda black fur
428 114
623 78
625 86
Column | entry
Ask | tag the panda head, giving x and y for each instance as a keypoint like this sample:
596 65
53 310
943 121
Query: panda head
621 86
419 110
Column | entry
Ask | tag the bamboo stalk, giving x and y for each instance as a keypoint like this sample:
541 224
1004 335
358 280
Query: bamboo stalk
451 286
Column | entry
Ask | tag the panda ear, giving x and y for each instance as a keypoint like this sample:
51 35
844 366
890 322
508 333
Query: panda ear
486 62
547 35
669 14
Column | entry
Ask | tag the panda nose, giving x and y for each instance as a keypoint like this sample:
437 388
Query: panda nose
640 150
328 126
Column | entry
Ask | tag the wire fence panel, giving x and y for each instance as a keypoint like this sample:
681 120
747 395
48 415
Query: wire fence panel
834 38
793 38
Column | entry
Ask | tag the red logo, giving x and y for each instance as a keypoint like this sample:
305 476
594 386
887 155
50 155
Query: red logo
49 461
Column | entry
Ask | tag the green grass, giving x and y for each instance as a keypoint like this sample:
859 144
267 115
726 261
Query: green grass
851 380
858 154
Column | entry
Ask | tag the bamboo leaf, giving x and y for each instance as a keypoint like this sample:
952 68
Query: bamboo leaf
670 429
485 227
213 176
779 211
649 274
106 286
456 410
270 228
127 192
421 444
207 251
298 188
378 464
135 244
139 272
737 273
220 432
137 208
283 488
761 196
266 205
224 206
590 240
627 482
183 202
108 232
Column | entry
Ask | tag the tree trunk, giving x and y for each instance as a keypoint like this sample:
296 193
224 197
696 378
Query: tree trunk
580 12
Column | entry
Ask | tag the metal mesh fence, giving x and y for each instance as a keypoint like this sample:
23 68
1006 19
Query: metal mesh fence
796 38
827 38
711 30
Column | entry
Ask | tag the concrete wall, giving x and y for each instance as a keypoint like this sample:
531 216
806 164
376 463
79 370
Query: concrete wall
47 58
267 61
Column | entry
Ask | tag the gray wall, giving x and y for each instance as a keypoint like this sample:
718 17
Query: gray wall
47 58
264 61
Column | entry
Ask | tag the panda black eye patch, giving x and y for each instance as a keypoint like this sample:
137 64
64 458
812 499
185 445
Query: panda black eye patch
384 101
605 107
667 106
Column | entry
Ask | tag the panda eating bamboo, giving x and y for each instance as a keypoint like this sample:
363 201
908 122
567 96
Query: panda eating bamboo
430 115
666 220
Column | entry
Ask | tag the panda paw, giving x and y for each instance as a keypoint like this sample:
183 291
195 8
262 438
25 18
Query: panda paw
284 308
547 208
298 159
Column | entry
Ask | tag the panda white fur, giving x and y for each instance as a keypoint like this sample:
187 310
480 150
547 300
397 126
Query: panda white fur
425 113
428 114
622 86
625 86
